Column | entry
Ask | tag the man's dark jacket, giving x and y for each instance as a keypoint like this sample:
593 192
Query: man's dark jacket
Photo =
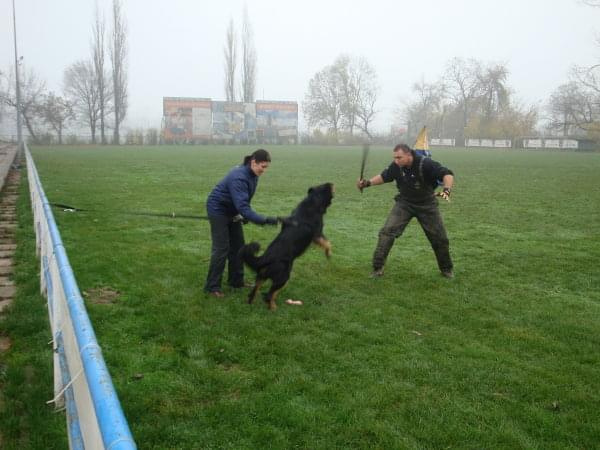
416 183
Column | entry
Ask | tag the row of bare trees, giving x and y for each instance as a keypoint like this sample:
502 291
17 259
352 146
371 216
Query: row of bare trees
92 95
473 99
341 98
574 107
249 62
95 93
470 99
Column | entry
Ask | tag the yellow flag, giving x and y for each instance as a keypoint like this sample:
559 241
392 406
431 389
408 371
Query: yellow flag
421 142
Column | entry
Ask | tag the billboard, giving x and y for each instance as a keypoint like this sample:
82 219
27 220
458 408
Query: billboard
275 119
186 119
228 120
193 119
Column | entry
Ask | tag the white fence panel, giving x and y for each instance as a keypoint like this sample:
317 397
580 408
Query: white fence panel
569 143
82 383
532 143
447 142
502 143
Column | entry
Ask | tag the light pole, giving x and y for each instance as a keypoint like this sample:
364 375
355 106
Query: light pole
17 85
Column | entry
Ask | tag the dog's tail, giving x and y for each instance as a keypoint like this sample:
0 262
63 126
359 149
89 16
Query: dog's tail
248 254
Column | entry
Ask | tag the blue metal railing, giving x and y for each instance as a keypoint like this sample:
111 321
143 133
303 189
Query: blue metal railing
111 421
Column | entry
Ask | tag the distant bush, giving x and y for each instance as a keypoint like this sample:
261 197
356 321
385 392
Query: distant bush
134 137
73 139
151 136
45 139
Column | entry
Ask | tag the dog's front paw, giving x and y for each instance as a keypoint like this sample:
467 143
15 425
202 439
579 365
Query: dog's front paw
325 245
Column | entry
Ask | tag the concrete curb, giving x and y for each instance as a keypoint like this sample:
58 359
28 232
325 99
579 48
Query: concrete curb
7 157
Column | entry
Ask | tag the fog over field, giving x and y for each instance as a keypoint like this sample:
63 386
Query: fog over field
176 48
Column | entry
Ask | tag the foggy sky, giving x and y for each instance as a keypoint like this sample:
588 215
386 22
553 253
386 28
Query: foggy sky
176 46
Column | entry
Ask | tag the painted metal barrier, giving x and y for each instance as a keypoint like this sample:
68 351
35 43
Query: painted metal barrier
95 419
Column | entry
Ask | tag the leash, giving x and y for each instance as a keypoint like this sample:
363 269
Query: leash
172 215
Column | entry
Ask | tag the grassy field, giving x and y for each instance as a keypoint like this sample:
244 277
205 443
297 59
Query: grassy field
506 355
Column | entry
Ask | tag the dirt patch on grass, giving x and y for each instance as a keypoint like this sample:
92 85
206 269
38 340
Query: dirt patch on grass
102 295
5 344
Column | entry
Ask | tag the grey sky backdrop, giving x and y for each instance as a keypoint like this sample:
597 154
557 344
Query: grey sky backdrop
176 46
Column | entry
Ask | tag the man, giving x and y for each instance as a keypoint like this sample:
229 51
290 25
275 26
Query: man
416 178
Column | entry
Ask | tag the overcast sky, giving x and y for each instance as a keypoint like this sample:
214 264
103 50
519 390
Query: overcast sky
176 46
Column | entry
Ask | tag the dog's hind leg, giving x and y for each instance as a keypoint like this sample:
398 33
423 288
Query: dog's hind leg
257 284
273 293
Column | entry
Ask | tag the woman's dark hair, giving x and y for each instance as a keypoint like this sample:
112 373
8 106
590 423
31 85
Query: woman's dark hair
259 156
405 148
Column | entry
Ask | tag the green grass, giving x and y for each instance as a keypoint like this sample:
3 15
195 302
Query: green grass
411 360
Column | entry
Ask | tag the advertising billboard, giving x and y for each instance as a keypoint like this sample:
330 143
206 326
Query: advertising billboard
187 119
276 120
202 119
228 120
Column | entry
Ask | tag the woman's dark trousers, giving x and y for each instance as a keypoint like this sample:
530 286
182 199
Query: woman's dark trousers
227 239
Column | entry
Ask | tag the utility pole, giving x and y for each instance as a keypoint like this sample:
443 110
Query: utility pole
17 85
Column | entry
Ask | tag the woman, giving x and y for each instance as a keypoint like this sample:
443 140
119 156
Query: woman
228 205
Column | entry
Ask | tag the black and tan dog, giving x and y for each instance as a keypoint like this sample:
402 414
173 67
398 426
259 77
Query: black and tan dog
304 226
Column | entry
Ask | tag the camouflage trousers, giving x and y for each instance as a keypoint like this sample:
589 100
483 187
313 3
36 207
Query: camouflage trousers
429 218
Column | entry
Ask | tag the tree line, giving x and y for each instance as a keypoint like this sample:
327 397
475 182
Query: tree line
470 98
95 90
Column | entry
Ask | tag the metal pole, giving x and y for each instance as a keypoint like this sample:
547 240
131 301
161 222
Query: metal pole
17 86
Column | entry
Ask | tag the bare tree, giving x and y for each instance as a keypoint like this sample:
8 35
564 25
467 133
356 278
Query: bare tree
349 85
365 95
33 92
495 94
568 108
248 60
576 105
588 78
100 75
343 96
56 112
118 59
230 63
324 102
82 91
583 94
365 110
463 80
427 108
